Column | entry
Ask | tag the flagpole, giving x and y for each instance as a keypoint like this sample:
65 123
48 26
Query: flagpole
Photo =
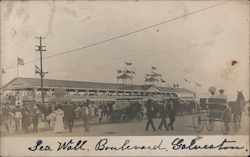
195 90
17 69
131 72
151 74
124 73
117 78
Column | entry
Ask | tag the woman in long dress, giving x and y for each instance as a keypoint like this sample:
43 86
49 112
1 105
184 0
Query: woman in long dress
59 121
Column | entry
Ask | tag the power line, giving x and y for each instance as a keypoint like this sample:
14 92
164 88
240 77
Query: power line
123 35
133 32
114 59
153 53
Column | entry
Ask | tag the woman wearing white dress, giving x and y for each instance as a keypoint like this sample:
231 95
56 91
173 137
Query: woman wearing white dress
59 121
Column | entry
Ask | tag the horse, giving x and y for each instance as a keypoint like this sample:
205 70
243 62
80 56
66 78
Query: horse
238 105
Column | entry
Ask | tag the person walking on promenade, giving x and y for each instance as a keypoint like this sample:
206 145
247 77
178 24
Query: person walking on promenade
171 112
59 114
163 115
70 115
25 119
35 118
100 114
86 116
92 111
18 118
149 108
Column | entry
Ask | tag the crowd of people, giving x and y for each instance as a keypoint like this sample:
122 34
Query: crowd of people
28 118
23 118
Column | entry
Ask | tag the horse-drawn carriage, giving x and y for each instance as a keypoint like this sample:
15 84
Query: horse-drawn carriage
216 110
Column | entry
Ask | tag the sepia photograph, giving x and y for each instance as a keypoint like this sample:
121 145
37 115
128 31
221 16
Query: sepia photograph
72 68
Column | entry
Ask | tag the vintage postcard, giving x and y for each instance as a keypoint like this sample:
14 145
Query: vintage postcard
124 78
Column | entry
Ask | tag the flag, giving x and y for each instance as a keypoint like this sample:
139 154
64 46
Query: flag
187 81
163 81
128 63
37 70
3 71
147 74
153 68
20 61
177 85
197 84
119 71
133 72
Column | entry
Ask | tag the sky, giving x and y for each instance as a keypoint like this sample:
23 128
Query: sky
199 47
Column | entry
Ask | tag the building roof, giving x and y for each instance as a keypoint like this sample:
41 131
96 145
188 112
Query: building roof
176 89
29 83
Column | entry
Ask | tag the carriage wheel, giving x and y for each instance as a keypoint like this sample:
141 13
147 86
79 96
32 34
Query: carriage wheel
198 122
226 121
210 124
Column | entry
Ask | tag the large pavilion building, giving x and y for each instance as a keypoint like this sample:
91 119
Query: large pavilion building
30 89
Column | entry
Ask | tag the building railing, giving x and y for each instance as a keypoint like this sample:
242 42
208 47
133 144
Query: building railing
97 98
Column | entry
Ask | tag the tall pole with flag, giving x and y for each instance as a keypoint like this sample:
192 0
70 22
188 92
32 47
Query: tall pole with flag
129 71
19 62
126 73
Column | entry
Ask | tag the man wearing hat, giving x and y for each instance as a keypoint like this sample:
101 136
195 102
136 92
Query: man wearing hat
212 90
70 115
149 109
163 115
221 95
171 112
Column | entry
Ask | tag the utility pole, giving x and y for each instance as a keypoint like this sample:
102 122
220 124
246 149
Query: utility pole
42 74
1 80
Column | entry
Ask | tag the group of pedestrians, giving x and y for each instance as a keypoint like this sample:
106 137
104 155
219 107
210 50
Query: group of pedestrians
66 115
166 109
28 118
18 119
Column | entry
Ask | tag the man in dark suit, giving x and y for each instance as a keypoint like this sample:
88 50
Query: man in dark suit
149 108
69 115
163 115
171 112
25 118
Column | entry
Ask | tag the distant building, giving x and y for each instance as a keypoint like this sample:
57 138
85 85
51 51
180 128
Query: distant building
29 89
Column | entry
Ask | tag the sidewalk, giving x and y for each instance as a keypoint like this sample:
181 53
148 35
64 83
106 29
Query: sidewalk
94 121
77 123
